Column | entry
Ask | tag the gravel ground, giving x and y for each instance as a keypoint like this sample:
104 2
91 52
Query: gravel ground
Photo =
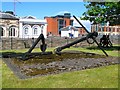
68 61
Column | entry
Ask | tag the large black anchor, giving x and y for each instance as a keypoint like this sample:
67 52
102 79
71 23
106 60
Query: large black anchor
92 36
43 46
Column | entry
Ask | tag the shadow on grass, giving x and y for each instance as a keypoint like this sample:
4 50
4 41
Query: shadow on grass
23 56
116 48
10 54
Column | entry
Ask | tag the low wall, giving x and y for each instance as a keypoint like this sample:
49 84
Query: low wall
17 43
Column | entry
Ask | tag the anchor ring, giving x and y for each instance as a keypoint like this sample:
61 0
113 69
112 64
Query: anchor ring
89 40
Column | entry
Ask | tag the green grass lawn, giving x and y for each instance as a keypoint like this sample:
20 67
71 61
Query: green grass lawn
102 77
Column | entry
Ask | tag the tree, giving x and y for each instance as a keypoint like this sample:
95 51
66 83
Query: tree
102 12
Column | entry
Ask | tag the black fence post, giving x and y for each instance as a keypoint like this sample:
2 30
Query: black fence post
32 40
51 41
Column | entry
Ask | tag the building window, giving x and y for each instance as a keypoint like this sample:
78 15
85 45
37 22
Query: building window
118 29
1 31
35 31
97 28
12 31
110 29
26 30
61 22
60 27
102 29
107 29
71 22
113 29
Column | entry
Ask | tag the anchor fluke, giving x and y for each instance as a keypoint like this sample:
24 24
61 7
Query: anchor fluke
43 47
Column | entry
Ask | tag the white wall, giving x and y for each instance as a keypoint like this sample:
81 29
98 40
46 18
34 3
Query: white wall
45 30
76 34
20 30
35 24
65 33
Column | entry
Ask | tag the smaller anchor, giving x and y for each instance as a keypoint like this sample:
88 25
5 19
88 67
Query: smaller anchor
43 47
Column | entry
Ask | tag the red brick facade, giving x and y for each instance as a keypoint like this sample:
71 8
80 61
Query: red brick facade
57 22
111 30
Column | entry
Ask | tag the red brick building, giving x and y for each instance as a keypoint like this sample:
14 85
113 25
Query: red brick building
55 23
105 29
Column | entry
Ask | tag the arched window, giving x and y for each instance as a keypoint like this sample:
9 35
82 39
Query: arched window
26 29
12 31
36 29
1 31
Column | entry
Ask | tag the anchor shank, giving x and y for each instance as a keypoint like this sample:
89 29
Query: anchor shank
90 35
73 43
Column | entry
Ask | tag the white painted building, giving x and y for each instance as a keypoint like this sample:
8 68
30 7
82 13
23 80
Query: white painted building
66 31
30 27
